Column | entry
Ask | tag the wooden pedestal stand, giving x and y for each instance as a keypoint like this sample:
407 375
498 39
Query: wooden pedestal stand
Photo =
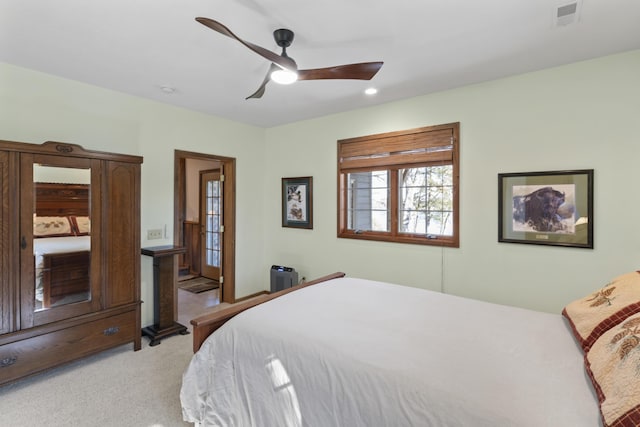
164 293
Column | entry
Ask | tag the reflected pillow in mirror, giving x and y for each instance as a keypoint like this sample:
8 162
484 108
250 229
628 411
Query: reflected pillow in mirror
51 226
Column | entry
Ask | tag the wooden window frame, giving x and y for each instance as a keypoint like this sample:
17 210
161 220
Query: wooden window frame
426 146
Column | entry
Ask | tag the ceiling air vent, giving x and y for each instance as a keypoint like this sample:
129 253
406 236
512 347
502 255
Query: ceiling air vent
567 14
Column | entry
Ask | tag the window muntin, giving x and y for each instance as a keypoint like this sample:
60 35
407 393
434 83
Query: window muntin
400 186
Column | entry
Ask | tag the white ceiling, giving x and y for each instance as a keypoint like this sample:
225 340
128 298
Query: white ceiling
138 46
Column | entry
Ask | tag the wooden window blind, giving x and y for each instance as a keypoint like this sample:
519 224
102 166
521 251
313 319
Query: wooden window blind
434 144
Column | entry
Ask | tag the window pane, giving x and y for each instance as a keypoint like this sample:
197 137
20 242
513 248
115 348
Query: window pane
368 201
414 197
435 198
379 221
413 222
447 199
213 258
426 200
380 179
441 175
440 223
414 176
379 198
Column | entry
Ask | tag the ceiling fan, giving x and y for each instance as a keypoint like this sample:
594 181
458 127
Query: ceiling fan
284 69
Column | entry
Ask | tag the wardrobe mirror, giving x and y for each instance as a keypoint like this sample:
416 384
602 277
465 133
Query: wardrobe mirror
61 235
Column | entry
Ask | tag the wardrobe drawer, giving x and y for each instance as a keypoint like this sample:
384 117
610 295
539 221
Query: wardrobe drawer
34 354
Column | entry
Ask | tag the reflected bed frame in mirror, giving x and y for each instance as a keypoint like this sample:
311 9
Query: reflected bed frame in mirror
67 273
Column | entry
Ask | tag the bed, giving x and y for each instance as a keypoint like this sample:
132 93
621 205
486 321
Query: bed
62 269
62 243
352 352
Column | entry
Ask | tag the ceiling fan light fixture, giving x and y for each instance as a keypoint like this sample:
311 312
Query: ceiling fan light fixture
284 77
284 70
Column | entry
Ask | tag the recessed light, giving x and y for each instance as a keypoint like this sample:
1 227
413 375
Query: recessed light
168 89
371 91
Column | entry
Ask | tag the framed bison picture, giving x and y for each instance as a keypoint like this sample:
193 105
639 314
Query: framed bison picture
546 208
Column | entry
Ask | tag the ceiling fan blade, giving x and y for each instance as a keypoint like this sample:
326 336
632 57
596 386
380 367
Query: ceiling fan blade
361 71
258 93
282 61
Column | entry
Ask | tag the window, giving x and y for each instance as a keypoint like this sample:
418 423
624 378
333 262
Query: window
400 186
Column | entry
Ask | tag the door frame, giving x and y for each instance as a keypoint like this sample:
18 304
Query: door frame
227 287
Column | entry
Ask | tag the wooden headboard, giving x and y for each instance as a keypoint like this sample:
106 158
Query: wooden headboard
54 199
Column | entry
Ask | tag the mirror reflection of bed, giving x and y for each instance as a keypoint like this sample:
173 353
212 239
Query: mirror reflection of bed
61 231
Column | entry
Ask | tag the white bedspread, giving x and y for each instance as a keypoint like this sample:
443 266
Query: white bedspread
353 352
55 245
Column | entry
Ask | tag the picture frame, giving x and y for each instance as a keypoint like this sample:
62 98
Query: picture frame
297 202
546 208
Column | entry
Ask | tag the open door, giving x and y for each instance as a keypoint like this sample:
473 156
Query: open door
211 200
227 211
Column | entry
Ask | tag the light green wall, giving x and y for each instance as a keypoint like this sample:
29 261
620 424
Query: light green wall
581 116
36 107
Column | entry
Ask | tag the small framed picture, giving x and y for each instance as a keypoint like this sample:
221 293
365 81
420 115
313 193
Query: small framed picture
297 202
546 208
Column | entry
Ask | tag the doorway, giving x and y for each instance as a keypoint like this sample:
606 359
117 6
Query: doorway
222 250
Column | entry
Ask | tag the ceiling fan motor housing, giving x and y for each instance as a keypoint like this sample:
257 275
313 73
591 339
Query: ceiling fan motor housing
283 37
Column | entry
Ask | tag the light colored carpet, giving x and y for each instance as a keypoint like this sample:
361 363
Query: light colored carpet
116 388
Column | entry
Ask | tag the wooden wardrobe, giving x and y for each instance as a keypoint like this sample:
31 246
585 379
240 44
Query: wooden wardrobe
96 287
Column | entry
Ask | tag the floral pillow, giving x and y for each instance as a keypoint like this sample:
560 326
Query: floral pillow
595 314
51 226
613 364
